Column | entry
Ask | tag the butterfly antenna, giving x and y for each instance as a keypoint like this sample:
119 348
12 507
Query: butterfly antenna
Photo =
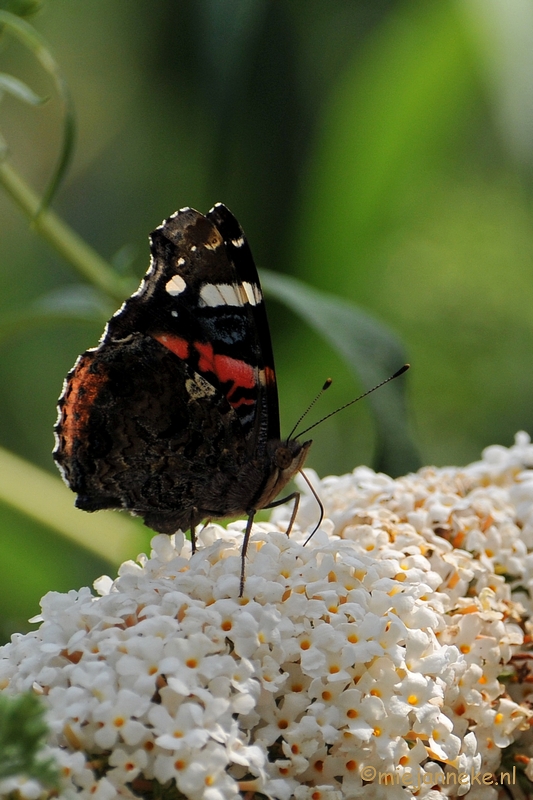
369 391
310 406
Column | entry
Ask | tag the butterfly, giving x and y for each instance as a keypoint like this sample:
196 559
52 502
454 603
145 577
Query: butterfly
174 416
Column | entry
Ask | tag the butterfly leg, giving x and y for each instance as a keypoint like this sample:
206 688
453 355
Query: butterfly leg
244 548
294 496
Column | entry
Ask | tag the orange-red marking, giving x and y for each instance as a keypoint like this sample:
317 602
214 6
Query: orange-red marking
83 389
176 345
227 369
224 367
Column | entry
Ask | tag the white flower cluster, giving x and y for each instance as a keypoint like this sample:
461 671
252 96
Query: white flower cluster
376 650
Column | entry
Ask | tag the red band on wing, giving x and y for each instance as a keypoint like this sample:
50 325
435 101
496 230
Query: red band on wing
227 370
242 401
175 344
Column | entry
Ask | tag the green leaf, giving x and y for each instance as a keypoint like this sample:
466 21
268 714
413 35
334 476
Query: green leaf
20 90
64 240
395 108
22 8
36 43
124 259
67 304
23 732
45 498
79 300
226 35
36 558
372 351
503 34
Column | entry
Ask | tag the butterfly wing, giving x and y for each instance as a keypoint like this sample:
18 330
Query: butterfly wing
202 299
139 431
240 255
170 415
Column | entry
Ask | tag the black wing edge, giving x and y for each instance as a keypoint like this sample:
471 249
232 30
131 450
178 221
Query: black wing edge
240 253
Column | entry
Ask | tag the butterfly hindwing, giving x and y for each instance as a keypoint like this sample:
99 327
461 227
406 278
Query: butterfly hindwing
140 431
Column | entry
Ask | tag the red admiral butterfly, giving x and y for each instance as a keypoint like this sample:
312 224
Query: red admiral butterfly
174 416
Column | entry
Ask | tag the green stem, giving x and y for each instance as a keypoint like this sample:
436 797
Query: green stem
67 243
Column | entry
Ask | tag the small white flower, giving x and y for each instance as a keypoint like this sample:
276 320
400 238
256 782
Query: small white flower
183 730
126 765
183 661
206 777
117 719
443 745
20 786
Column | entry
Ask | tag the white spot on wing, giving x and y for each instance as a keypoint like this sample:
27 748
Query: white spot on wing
176 285
180 262
253 293
174 313
194 249
220 294
262 377
238 242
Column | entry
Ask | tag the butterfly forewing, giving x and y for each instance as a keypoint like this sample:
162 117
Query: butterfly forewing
196 305
240 255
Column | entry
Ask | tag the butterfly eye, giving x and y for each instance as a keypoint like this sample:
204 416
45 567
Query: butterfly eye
283 457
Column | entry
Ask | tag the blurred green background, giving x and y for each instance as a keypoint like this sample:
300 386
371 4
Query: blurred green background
379 150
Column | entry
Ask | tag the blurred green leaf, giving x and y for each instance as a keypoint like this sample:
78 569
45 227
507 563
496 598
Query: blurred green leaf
68 244
36 43
37 558
77 300
67 304
226 36
395 107
503 34
373 353
23 732
124 258
41 496
20 90
22 8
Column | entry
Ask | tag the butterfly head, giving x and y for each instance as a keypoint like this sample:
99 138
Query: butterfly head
285 459
289 456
